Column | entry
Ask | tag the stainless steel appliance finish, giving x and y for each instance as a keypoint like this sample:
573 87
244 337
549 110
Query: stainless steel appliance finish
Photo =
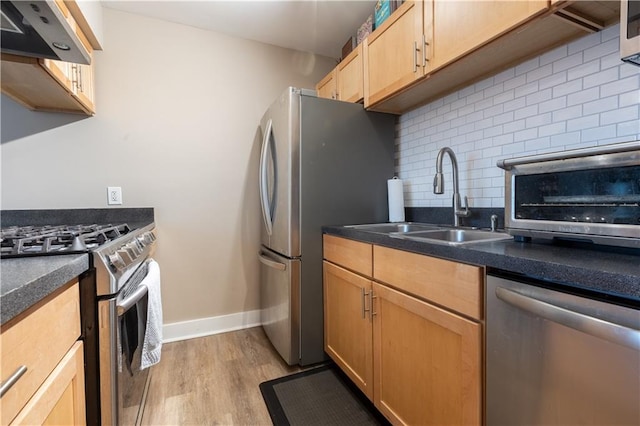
559 359
323 162
587 194
122 305
40 29
630 31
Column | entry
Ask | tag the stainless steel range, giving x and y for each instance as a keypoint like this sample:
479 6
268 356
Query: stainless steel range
585 195
113 303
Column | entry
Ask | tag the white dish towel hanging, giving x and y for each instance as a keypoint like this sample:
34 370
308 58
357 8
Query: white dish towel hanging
152 346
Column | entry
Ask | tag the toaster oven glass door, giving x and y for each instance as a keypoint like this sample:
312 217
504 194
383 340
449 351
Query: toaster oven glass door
604 195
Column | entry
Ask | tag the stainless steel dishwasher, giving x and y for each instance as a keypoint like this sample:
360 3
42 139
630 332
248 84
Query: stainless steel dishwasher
554 358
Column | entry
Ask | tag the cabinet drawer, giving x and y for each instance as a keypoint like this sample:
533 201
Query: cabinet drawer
37 339
351 254
456 286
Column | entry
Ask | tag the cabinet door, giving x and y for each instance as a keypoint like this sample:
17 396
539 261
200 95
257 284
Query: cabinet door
392 53
462 26
327 87
427 362
83 85
347 324
350 77
60 400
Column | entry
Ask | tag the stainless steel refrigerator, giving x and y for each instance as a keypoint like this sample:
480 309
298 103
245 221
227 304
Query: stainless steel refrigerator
322 162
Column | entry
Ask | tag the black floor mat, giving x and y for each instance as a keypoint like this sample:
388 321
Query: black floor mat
319 396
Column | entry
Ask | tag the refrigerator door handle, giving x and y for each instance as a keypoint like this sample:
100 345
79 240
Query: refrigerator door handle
272 263
264 184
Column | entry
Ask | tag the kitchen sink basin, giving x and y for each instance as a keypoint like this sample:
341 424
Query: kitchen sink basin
386 228
452 237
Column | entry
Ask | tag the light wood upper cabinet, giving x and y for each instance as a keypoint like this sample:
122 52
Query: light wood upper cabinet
461 26
50 85
350 76
394 54
345 81
328 86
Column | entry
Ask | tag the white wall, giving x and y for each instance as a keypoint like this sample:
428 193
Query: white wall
578 95
176 124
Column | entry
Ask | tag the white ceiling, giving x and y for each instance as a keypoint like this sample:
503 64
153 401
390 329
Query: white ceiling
318 26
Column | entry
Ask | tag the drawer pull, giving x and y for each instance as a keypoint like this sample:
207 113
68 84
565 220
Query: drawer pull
7 384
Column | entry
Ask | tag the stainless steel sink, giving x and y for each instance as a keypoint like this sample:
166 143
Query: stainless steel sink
386 228
452 237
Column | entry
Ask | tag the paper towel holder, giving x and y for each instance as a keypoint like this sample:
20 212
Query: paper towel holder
396 199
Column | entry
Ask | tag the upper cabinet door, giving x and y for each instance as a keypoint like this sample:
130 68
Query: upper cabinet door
393 53
462 26
328 87
350 84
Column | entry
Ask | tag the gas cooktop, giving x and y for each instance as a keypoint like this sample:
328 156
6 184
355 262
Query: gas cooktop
23 241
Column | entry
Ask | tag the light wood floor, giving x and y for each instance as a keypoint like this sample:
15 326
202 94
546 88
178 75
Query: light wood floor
213 380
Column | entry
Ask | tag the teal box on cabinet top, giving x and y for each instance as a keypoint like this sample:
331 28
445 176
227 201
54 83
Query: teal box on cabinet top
382 12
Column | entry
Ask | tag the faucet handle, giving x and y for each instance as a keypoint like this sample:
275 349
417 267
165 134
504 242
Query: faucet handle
464 212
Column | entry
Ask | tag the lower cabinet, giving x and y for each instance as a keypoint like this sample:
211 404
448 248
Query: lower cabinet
41 356
426 362
347 325
419 362
60 400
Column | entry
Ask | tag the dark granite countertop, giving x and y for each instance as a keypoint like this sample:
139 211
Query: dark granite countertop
25 281
609 272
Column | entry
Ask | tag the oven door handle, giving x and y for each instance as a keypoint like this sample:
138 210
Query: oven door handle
127 303
606 330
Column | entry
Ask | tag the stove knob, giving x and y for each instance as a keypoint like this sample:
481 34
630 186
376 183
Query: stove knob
116 261
126 255
132 247
141 241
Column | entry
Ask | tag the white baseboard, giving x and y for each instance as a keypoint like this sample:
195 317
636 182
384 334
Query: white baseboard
207 326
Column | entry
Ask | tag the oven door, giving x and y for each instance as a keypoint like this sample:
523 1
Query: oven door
123 385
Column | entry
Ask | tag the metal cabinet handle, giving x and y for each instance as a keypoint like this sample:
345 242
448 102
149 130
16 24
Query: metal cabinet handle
364 295
80 85
424 51
272 263
371 297
612 332
415 56
7 384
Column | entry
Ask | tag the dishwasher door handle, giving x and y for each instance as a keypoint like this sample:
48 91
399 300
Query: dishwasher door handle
612 332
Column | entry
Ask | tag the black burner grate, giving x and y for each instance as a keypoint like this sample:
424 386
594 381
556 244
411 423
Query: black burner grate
60 239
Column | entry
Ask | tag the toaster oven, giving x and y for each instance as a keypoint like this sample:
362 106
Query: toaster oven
590 195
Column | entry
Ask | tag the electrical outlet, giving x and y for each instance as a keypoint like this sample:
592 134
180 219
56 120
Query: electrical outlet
114 195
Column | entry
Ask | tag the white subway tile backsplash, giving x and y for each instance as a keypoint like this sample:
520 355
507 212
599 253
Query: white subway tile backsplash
620 115
600 105
601 77
568 62
554 55
567 113
577 95
623 85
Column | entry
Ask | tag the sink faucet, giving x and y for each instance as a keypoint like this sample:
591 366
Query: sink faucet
438 186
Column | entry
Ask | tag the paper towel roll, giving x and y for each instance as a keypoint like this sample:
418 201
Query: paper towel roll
396 200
